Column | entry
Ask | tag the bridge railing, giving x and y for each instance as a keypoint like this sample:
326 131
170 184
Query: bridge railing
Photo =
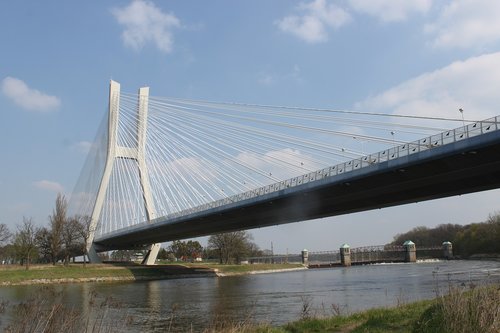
430 142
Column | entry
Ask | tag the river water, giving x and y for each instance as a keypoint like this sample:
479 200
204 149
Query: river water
195 303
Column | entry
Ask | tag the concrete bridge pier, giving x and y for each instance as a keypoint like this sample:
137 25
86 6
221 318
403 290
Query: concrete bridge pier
447 250
410 251
345 255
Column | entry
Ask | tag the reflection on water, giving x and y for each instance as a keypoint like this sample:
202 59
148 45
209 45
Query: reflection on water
195 303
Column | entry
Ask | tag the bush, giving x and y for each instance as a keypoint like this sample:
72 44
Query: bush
461 311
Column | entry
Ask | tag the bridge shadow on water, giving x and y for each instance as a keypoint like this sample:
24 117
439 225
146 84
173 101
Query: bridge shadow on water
157 272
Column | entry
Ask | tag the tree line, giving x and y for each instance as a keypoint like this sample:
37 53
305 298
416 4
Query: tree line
63 238
467 240
226 248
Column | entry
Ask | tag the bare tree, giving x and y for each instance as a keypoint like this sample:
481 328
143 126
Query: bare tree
5 233
25 241
84 230
44 244
57 221
70 238
5 236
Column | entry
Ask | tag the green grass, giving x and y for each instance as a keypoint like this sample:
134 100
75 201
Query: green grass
461 311
398 319
19 274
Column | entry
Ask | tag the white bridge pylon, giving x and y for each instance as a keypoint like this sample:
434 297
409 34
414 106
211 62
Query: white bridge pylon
115 151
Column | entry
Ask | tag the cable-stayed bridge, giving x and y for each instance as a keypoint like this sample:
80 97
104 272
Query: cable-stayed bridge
163 169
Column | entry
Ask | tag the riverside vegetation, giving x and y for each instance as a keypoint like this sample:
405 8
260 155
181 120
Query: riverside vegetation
65 237
43 274
461 309
475 239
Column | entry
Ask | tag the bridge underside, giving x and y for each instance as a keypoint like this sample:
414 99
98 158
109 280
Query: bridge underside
462 167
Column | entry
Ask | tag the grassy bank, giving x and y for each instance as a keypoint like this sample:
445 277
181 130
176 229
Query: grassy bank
77 273
37 274
460 311
398 319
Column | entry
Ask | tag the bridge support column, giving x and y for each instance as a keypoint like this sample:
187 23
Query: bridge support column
151 255
447 250
345 255
305 257
410 251
92 255
114 107
115 151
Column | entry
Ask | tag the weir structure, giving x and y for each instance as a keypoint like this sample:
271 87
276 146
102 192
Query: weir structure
136 153
374 254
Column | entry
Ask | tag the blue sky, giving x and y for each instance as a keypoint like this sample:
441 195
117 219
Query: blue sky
415 57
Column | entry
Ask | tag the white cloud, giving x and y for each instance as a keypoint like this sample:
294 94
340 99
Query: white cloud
391 10
144 23
28 98
49 185
185 168
471 84
281 164
466 23
317 18
189 166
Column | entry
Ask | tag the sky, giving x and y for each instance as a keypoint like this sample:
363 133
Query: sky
420 57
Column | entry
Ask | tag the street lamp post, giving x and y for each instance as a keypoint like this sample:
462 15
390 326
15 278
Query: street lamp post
462 113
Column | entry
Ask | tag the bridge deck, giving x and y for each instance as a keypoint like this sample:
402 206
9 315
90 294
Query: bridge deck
459 167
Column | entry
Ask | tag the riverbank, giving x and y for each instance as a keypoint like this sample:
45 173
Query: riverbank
12 275
275 300
397 319
77 273
462 309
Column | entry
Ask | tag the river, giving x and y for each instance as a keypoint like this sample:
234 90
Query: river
276 298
